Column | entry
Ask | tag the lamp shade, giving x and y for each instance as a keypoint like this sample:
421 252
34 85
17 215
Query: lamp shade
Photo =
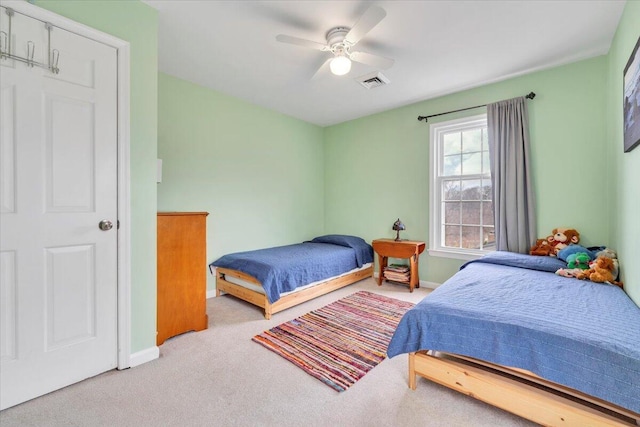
340 65
397 226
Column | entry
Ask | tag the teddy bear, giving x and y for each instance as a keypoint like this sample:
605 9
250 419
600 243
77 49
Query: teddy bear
577 263
578 260
541 248
560 238
600 271
609 253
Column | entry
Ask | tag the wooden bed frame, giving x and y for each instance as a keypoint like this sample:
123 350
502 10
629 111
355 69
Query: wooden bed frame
518 391
289 300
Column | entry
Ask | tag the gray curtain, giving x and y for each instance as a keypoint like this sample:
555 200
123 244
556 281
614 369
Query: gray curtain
513 199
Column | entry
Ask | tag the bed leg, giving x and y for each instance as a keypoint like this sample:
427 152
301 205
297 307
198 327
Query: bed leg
218 276
267 311
412 371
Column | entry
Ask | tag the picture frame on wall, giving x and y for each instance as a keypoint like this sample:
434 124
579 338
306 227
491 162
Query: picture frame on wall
631 100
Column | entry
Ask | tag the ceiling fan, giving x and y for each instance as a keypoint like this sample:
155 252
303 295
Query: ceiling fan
340 41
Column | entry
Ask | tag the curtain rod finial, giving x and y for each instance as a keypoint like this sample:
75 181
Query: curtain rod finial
531 95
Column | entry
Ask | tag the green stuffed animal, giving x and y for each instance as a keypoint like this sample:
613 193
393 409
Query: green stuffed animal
579 260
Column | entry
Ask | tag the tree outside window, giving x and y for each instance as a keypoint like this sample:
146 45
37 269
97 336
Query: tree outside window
461 207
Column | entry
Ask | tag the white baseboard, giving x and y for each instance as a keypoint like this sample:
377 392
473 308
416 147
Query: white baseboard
211 294
430 285
144 356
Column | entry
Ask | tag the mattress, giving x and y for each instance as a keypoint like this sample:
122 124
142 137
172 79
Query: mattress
512 310
259 289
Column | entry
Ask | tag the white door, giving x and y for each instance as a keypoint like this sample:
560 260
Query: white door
58 166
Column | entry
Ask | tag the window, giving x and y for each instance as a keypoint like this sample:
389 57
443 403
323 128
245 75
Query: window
461 210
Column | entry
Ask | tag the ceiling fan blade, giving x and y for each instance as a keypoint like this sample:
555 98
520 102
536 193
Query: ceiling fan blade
301 42
323 70
367 21
373 60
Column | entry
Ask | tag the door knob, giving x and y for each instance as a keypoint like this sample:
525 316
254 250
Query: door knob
105 225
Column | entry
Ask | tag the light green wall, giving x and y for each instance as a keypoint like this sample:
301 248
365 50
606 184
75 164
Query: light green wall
624 173
258 173
373 168
136 23
377 166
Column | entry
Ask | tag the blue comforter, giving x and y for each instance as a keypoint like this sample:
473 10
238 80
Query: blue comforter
284 268
511 309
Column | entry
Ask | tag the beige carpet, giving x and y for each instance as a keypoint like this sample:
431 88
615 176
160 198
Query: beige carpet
219 377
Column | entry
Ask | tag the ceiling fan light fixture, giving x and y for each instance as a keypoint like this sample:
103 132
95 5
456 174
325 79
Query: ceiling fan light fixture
340 65
340 42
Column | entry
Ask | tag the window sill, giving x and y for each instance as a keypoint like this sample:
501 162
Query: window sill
460 254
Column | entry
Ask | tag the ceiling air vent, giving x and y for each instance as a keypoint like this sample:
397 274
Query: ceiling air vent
373 80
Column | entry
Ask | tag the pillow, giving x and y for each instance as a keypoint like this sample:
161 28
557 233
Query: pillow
574 249
363 250
513 259
339 239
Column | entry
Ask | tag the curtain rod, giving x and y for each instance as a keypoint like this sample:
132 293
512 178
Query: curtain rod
530 95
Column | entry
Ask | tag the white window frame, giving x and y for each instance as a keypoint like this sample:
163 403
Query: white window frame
436 132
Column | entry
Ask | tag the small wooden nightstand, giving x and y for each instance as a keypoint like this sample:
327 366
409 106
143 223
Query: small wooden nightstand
411 249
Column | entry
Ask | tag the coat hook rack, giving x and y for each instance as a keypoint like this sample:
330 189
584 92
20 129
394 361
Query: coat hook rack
31 51
6 48
4 43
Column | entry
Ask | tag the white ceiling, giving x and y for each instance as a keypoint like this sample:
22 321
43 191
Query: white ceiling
439 47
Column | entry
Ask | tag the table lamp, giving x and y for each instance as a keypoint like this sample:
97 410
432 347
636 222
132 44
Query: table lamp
398 225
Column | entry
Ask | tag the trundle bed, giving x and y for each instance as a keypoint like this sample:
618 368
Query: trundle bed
508 331
281 277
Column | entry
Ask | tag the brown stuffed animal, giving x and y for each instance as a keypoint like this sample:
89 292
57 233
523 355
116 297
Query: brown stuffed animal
541 248
558 240
601 270
561 238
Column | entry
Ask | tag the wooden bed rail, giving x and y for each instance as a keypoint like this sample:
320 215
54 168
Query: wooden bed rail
518 391
289 300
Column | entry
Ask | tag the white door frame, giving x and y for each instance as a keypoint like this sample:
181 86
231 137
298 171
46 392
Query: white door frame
124 204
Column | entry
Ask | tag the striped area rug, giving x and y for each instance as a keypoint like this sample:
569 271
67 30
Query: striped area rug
340 342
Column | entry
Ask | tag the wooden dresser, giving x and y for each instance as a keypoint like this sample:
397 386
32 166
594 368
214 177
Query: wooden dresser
182 273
